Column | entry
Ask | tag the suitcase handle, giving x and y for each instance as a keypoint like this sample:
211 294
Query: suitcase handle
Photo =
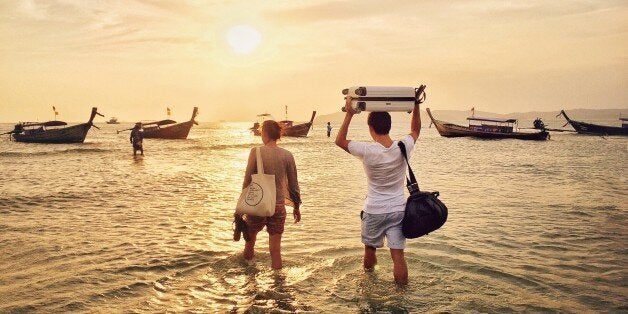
420 94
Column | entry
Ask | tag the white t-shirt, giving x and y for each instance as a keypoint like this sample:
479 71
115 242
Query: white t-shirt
386 173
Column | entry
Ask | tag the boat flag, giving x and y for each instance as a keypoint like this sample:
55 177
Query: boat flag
168 111
55 111
473 111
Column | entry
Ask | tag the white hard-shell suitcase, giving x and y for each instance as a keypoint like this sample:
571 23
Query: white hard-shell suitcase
384 98
367 92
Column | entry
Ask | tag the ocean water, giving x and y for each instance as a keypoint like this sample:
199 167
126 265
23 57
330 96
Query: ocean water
533 226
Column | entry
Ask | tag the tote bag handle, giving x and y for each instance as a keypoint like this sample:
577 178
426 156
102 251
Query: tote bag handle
260 164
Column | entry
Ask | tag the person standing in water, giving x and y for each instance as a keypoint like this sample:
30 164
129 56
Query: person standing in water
137 139
328 129
385 170
280 162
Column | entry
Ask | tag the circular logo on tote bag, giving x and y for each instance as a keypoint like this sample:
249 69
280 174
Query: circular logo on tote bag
254 195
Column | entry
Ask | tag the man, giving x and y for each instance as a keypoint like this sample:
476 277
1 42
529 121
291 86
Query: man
385 170
328 129
137 139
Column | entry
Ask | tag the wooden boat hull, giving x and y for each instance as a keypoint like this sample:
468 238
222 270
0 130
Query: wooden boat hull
69 135
594 129
453 130
173 132
177 131
299 130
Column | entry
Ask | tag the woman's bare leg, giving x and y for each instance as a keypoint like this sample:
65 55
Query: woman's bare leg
249 247
274 245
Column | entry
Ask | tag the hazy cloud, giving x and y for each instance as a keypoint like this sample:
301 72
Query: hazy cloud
149 51
339 10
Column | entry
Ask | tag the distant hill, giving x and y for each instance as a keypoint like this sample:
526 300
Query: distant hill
603 116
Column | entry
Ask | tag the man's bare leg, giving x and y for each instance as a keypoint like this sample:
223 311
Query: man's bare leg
400 268
370 259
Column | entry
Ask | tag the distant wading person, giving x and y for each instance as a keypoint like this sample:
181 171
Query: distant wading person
385 170
279 162
137 139
328 129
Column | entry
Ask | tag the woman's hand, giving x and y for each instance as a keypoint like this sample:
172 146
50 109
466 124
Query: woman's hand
297 215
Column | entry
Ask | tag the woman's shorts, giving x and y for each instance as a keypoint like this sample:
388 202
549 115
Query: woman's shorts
377 226
274 224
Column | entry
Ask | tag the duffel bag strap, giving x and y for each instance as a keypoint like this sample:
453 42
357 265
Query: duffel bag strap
413 184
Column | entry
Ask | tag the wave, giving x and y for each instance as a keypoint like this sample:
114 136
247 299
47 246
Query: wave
222 146
55 152
24 203
181 265
250 145
134 289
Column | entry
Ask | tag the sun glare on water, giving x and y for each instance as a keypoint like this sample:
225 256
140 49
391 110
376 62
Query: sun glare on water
243 39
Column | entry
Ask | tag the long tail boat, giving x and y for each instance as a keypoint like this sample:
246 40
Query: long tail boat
256 128
487 128
169 129
596 129
538 124
288 128
40 132
113 120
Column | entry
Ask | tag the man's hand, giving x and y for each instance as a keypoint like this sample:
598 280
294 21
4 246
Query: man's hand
297 215
348 107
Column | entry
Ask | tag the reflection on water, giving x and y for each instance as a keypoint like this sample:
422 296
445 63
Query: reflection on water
138 160
532 227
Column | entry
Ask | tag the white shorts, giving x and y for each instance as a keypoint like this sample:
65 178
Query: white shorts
377 226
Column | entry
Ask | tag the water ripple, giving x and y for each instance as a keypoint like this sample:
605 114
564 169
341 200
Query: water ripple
533 227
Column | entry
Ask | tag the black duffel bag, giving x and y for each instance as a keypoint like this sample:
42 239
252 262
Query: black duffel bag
424 211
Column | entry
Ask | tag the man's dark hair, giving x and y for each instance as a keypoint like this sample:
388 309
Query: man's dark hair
380 121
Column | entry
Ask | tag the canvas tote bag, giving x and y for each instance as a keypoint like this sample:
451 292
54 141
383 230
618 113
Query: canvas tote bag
260 197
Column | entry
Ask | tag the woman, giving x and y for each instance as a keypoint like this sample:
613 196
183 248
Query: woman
279 162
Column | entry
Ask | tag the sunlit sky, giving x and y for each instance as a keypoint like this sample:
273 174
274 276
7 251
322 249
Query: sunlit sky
134 58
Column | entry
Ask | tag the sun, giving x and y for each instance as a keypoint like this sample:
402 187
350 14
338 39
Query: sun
243 39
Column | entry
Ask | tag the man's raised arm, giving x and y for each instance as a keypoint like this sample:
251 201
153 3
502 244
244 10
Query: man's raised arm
341 137
415 123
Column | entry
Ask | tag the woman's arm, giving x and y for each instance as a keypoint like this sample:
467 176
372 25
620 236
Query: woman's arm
341 137
293 188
